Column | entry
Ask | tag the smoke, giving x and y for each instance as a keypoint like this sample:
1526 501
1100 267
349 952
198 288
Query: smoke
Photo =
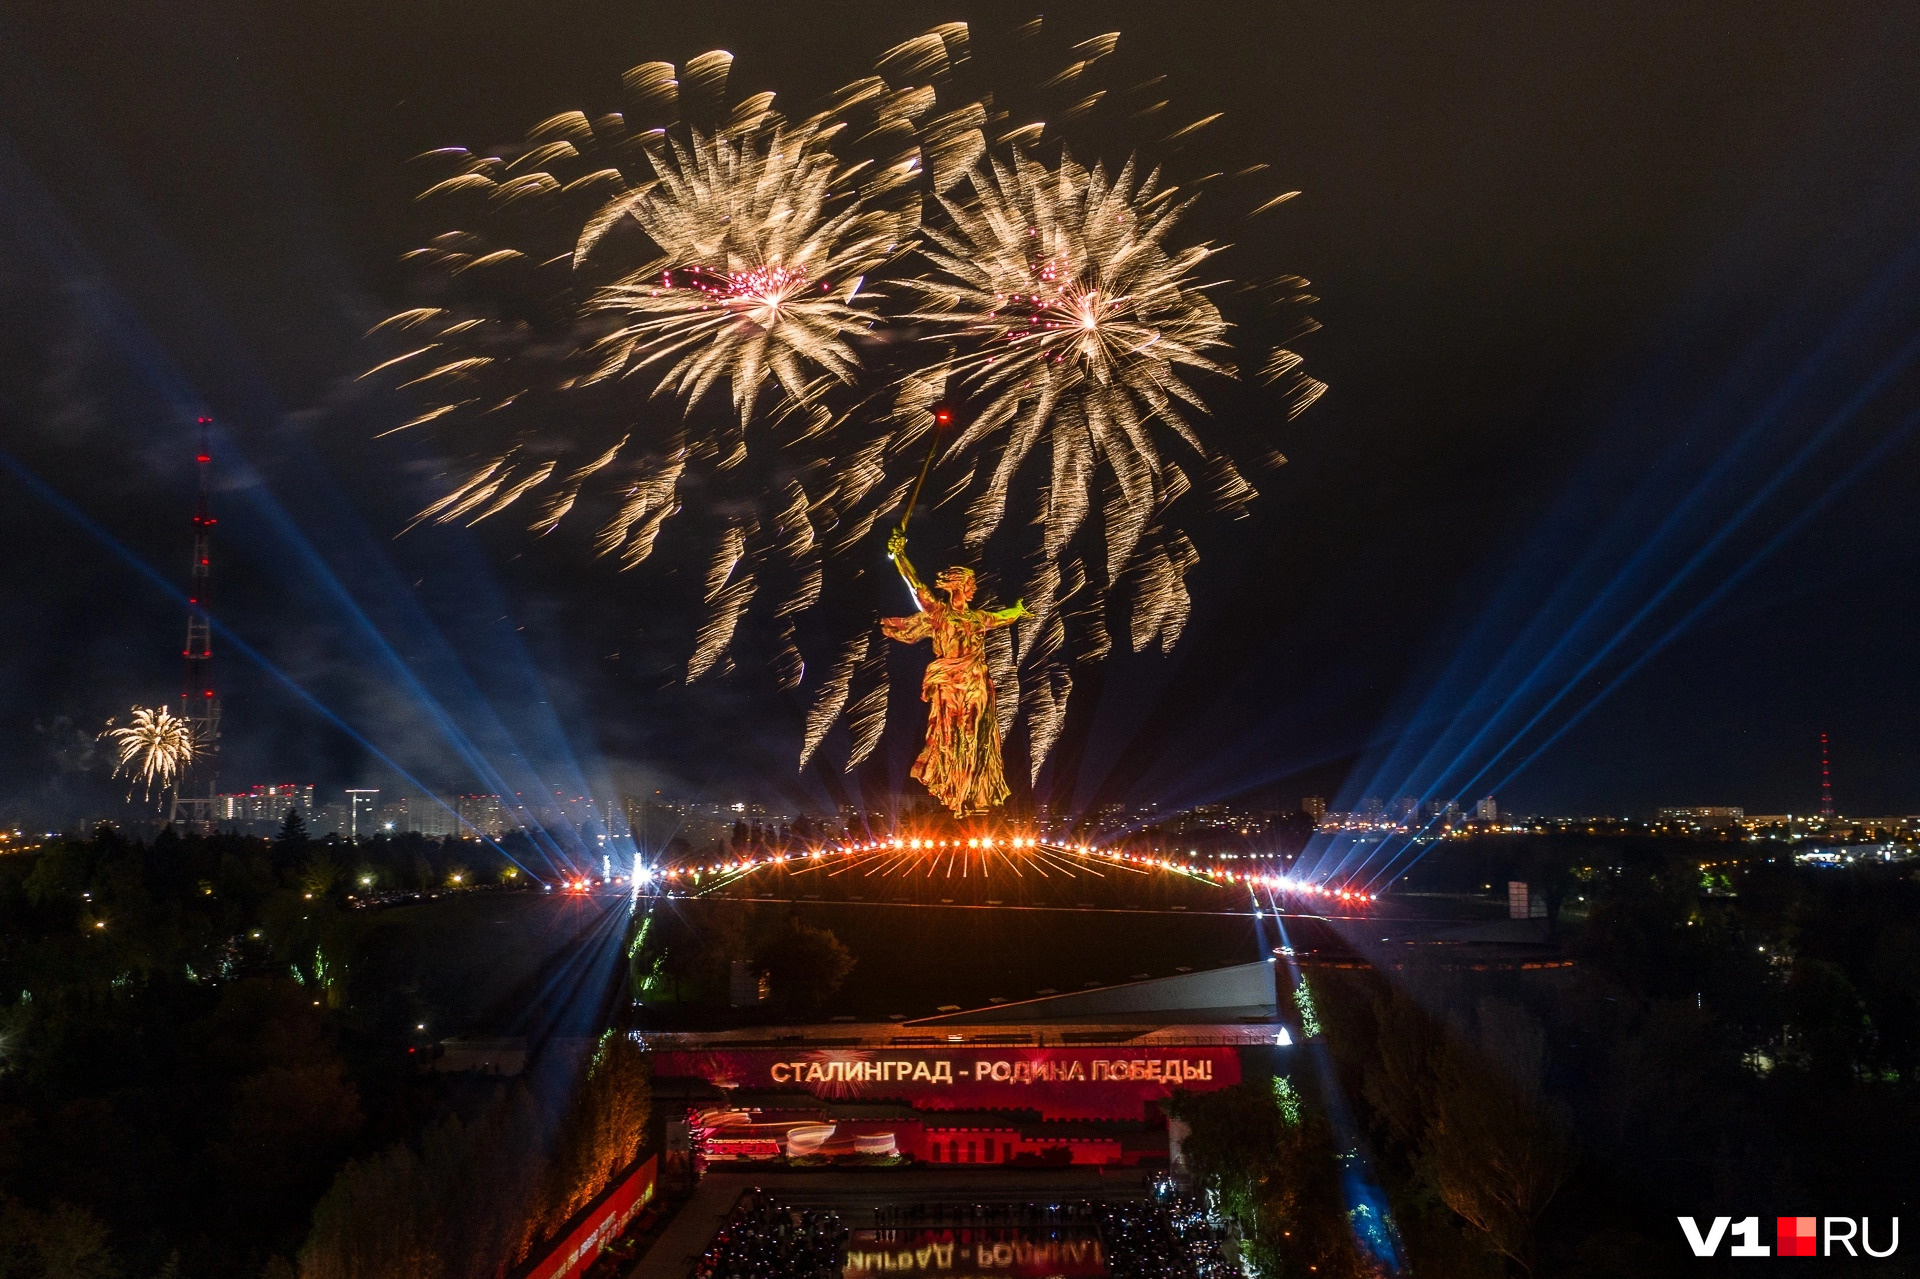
72 749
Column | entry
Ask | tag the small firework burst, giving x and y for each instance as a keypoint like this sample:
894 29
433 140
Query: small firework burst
155 748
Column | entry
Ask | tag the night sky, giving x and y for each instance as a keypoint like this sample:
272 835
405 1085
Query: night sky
1610 505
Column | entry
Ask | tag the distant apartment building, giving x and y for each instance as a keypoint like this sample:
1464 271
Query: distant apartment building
1486 810
329 819
258 808
363 813
486 814
1708 816
434 818
390 818
1314 806
1406 810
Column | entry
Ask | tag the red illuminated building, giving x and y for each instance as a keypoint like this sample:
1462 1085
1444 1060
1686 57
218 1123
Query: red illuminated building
1066 1079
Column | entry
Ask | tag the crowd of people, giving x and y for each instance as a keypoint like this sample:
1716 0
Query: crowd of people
765 1239
1170 1237
1174 1238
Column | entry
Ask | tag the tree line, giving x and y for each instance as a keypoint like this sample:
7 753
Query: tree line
476 1196
1733 1039
194 1054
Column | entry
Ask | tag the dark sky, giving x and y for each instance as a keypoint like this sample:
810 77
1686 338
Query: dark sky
1609 505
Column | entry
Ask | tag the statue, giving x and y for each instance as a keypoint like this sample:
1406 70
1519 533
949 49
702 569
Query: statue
960 763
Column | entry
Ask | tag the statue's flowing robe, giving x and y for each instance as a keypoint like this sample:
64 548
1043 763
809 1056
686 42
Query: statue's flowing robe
960 764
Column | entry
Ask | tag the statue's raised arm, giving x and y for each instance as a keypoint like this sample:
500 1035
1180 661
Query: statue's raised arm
897 552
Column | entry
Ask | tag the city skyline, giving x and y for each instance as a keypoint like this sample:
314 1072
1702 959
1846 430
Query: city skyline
1598 671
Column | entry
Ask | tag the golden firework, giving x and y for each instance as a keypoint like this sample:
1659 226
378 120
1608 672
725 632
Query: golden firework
1076 326
925 238
759 276
155 747
606 263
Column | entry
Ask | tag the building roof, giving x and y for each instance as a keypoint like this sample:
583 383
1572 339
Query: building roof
1242 993
1221 1006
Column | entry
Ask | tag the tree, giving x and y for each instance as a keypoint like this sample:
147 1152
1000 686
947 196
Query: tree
1497 1148
1292 832
288 1127
65 1242
482 1195
606 1123
1275 1172
292 836
319 876
376 1220
1398 1081
805 965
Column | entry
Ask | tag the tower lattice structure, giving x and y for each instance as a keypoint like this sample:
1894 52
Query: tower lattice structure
199 705
1826 781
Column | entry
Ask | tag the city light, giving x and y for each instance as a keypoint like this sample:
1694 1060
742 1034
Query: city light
897 854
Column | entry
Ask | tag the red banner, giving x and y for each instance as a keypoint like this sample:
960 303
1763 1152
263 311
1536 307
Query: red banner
1060 1083
603 1223
962 1254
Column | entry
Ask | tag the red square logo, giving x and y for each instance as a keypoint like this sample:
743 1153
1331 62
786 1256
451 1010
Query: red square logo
1798 1237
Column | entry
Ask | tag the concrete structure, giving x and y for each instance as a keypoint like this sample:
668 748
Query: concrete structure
484 813
1710 816
362 814
1063 1079
260 810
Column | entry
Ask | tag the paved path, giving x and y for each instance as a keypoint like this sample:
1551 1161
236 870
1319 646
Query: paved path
692 1228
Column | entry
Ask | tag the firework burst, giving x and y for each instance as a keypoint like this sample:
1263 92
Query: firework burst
1078 327
1074 330
604 265
615 279
155 748
760 269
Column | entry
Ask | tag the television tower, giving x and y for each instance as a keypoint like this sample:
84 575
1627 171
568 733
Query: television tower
198 705
1826 781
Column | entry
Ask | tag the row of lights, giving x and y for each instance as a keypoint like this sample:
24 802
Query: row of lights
1283 883
870 846
582 885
